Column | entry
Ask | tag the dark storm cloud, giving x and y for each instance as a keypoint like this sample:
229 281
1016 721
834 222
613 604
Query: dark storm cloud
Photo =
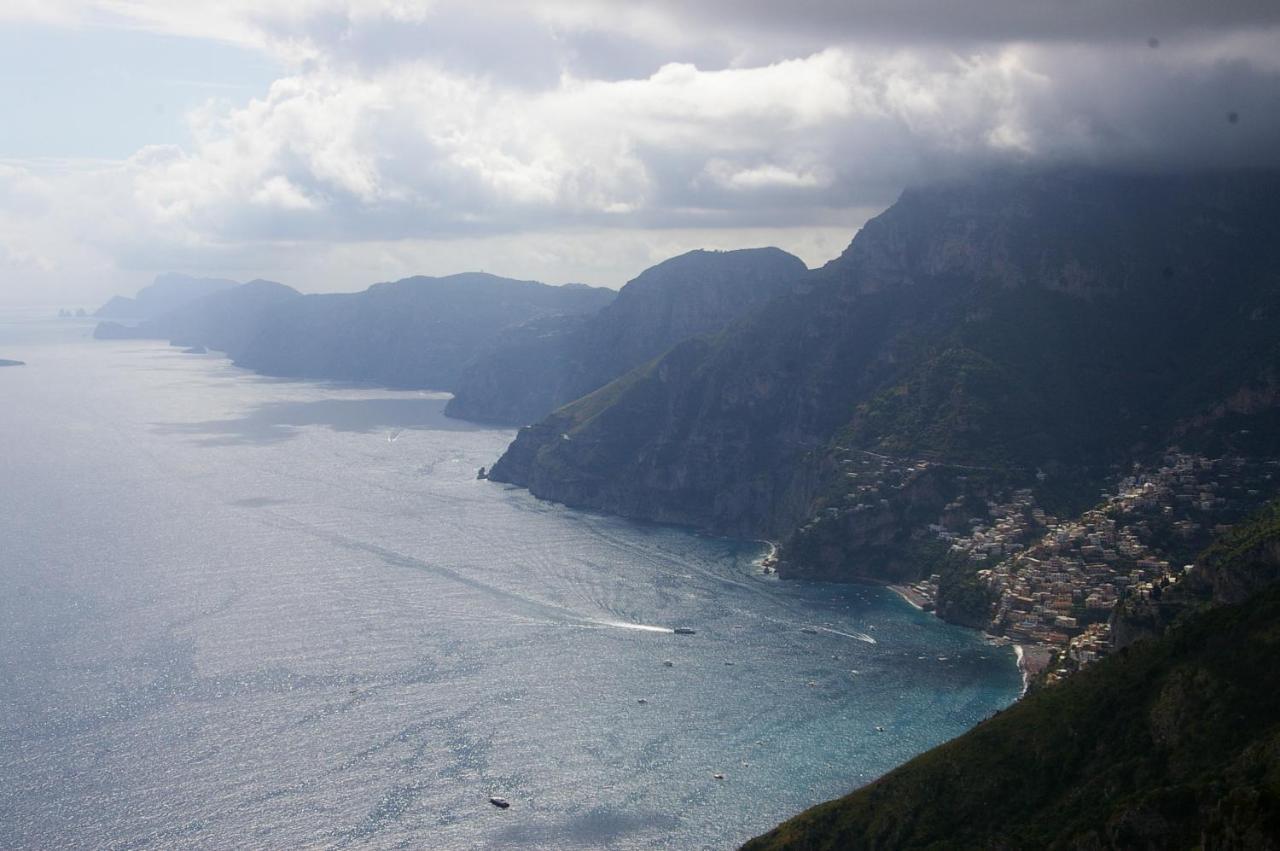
983 20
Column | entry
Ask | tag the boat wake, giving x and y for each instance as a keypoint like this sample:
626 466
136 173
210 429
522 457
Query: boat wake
644 627
856 636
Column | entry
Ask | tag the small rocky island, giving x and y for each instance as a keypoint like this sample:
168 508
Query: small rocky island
4 362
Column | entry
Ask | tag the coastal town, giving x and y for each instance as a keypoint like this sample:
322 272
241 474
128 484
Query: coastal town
1055 581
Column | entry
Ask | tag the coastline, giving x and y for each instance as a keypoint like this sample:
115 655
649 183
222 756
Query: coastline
913 599
1031 659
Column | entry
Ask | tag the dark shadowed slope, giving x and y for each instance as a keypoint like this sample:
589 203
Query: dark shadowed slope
534 369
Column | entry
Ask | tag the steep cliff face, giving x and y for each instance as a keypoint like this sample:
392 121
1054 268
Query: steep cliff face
716 432
523 372
536 369
1008 323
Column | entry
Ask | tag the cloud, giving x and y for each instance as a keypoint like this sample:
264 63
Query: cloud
402 131
976 21
494 30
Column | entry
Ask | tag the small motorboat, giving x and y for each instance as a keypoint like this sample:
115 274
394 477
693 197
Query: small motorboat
684 630
500 803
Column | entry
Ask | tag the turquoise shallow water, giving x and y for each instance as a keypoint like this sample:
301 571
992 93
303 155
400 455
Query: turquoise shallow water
244 612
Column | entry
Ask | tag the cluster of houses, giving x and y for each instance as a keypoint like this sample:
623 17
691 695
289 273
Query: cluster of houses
1056 582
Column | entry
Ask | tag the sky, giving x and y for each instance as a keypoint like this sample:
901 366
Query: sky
330 144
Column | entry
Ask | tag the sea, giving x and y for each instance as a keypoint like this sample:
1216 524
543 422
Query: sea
246 612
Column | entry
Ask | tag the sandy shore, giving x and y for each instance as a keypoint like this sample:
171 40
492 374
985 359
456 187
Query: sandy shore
909 595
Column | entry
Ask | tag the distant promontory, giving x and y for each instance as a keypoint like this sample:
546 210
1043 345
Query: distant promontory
4 362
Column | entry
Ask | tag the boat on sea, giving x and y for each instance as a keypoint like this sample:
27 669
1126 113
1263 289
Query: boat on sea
684 630
500 803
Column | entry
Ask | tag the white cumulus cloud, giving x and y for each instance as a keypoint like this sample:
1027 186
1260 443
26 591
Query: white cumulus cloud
404 137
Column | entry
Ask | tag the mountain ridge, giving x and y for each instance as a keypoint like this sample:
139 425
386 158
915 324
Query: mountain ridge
538 368
413 333
1024 323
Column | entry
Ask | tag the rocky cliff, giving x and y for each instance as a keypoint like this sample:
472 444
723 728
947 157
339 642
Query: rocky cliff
1007 324
537 368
